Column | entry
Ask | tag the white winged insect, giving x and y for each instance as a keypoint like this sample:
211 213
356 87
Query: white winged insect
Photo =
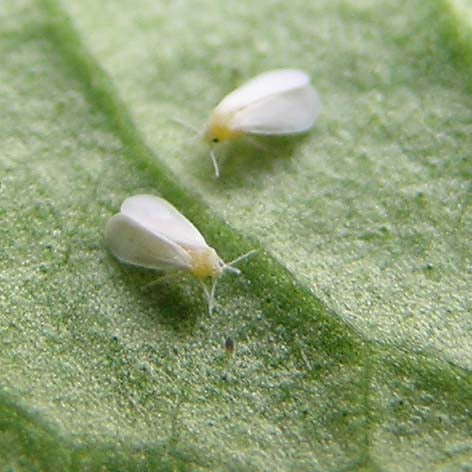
278 102
149 232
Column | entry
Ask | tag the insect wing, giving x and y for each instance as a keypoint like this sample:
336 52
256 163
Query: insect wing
261 87
132 243
161 218
289 112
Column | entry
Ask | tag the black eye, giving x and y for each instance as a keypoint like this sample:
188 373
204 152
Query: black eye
215 140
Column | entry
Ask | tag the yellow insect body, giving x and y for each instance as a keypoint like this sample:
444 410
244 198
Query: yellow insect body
205 263
219 129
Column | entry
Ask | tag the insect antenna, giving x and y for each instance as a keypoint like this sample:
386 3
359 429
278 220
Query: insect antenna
210 294
215 163
230 265
186 124
197 133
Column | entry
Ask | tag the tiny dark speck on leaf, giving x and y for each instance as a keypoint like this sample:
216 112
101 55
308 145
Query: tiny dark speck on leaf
229 345
398 402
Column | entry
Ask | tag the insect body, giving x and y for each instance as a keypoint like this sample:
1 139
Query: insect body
279 102
149 232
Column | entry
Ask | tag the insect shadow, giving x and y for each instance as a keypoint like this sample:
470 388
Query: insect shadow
175 301
249 158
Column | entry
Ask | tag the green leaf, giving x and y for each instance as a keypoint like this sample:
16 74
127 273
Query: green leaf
353 321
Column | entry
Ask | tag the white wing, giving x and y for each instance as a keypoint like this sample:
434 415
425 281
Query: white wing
288 112
261 87
160 218
132 243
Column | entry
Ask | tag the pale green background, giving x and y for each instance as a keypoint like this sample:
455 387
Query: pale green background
352 324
